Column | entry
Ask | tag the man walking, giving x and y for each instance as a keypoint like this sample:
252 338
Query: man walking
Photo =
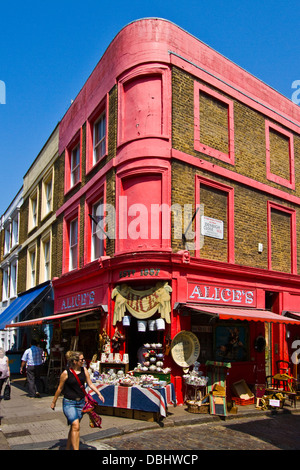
33 360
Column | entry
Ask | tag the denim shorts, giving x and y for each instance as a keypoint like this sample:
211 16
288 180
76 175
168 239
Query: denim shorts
73 409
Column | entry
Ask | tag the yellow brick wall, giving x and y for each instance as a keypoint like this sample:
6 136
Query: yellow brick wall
250 205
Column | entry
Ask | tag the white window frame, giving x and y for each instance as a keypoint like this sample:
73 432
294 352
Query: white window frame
5 283
75 169
73 244
13 278
15 230
7 238
47 193
99 145
97 242
33 210
45 257
31 266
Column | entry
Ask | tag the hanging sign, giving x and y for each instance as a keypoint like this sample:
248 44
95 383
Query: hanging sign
142 304
185 348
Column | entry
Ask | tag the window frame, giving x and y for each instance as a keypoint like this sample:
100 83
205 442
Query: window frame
94 118
293 230
13 282
97 193
206 149
145 70
31 269
71 215
74 143
46 207
230 214
45 238
271 176
5 283
33 213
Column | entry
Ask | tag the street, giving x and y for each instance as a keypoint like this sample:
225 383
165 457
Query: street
281 432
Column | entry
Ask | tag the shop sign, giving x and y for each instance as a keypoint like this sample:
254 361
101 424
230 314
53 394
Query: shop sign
142 304
185 348
79 300
212 227
222 295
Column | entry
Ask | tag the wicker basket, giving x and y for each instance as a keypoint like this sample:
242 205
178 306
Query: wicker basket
197 408
192 407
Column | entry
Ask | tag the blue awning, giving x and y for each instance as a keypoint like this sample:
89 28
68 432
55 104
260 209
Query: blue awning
20 303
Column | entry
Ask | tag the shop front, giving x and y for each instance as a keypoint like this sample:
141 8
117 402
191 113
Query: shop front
236 330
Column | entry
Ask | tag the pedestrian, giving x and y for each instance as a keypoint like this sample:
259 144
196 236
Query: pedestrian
74 396
33 359
4 369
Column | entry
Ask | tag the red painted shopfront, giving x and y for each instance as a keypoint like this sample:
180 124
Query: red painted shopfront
230 311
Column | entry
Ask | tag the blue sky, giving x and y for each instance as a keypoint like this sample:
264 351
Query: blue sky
49 49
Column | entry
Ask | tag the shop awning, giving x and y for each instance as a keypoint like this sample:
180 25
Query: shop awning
289 314
63 317
227 313
21 302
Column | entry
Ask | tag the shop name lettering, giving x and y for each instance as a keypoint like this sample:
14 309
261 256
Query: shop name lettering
222 295
78 300
142 272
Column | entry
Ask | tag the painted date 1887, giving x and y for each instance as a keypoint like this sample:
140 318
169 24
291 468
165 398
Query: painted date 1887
142 272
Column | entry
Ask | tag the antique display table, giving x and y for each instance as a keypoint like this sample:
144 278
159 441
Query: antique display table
136 398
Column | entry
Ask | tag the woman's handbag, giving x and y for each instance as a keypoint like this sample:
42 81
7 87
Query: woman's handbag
90 405
6 393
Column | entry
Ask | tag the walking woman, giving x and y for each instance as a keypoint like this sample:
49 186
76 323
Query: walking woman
74 397
4 368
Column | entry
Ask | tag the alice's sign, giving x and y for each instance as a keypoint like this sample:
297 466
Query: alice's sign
80 300
225 295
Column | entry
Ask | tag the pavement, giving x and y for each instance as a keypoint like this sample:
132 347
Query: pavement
30 423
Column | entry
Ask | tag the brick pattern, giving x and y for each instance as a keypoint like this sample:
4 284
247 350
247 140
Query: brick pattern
213 123
250 206
214 204
279 155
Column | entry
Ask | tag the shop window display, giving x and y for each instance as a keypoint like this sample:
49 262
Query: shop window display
231 342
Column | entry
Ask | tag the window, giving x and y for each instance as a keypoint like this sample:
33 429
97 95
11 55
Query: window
33 211
143 209
73 162
143 103
31 267
280 155
96 233
75 166
73 244
5 283
47 194
6 239
13 279
213 124
214 220
15 230
97 135
71 238
45 271
282 252
99 140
